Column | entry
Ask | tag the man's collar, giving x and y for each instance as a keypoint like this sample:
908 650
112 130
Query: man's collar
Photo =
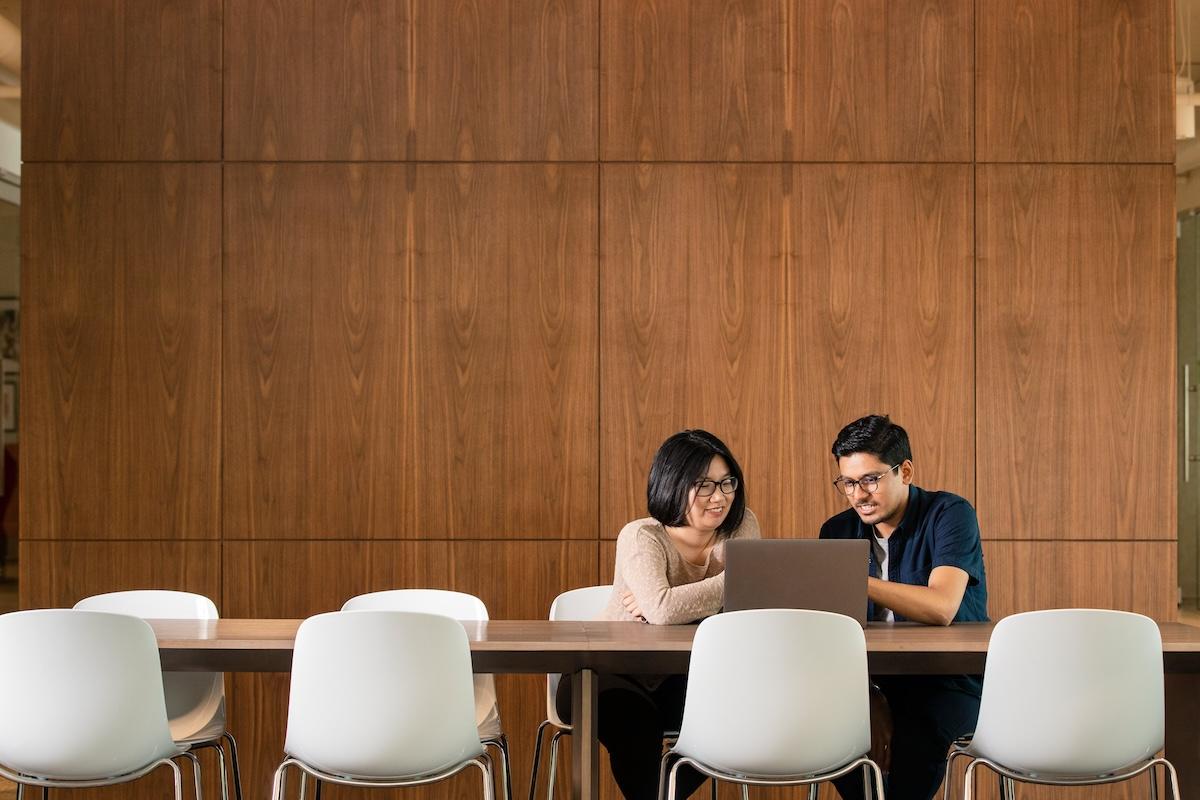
916 497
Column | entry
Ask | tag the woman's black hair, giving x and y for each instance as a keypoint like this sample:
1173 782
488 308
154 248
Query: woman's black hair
680 462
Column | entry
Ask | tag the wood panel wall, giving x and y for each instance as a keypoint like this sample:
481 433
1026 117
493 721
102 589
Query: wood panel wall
328 297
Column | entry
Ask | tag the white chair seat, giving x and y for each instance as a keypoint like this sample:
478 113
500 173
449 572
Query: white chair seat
214 730
489 727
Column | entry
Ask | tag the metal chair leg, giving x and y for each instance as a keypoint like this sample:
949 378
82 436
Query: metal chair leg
501 744
672 781
875 768
484 762
712 789
663 775
279 782
233 760
537 759
196 774
745 792
177 774
506 765
969 781
553 773
1153 774
224 774
317 790
948 781
1172 779
813 791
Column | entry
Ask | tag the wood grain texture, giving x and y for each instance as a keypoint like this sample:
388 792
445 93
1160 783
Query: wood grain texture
411 351
121 288
1128 576
1075 347
768 80
122 80
59 574
517 580
774 304
411 80
1074 80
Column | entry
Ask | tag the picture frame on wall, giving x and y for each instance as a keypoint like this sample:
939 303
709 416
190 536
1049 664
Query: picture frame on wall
8 404
10 327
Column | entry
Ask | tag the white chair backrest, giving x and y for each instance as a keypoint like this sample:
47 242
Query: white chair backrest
581 604
381 694
458 605
1072 692
194 699
777 692
83 695
152 604
576 605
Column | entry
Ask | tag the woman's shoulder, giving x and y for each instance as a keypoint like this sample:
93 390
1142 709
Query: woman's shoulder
749 528
648 529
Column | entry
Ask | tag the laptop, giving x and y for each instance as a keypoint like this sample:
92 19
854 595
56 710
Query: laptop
818 574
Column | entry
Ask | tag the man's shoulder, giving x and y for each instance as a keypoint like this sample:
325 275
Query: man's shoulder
844 525
941 502
945 512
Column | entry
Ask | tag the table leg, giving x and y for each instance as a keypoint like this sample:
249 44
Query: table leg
1183 733
585 751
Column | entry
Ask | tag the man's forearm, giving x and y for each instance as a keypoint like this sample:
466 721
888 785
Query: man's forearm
918 603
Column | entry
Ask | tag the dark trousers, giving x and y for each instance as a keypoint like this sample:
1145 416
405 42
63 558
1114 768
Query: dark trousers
928 713
631 722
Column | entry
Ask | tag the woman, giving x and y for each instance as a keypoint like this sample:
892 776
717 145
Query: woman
669 571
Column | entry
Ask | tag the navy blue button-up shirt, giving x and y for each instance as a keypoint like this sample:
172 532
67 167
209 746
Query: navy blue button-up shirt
939 529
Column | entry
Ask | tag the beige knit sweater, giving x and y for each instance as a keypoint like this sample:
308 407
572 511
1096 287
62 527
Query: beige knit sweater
669 589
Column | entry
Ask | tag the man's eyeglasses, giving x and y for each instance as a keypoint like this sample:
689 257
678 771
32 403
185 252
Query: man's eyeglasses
869 483
705 488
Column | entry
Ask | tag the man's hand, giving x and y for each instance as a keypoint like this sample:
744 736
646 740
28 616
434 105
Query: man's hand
935 604
631 605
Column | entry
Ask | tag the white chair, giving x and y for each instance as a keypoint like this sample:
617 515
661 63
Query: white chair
466 608
195 700
381 699
83 702
1071 697
802 717
574 605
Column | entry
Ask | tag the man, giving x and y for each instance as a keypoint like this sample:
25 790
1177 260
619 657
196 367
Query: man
926 565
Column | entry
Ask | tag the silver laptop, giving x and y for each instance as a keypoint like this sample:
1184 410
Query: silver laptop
818 574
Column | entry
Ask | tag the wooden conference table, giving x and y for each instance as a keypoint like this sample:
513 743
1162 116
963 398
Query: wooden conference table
585 648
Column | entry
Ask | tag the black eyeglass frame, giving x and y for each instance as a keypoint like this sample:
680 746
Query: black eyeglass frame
869 483
731 482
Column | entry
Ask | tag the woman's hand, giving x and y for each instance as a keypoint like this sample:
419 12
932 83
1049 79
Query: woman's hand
631 605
